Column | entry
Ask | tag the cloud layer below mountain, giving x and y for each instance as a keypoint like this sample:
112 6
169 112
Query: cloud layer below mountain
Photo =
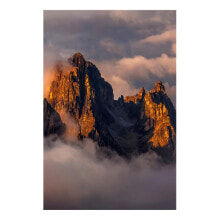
78 176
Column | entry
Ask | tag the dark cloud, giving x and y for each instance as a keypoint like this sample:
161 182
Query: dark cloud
83 30
77 176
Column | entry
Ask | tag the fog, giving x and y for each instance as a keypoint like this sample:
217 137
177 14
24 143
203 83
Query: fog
78 175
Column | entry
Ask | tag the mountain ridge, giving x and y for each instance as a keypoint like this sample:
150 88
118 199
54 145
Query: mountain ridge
130 125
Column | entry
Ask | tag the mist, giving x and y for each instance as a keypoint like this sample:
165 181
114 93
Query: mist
78 175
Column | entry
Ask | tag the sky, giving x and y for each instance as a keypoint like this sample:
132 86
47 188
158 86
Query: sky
132 49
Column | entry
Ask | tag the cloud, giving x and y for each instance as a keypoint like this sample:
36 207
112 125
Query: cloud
167 36
112 47
121 87
173 48
138 17
141 66
87 31
48 78
78 176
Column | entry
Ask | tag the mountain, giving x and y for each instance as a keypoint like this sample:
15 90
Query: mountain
130 125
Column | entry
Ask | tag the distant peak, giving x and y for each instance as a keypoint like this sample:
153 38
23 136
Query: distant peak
158 87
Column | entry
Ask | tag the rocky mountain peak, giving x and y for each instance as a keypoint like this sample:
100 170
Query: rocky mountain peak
78 60
83 94
158 87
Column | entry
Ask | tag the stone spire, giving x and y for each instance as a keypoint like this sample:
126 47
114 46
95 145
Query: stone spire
159 87
78 60
142 92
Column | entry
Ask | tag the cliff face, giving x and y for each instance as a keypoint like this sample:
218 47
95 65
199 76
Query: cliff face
52 121
130 125
80 91
156 121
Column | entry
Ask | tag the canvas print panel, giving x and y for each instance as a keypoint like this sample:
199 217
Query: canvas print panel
109 110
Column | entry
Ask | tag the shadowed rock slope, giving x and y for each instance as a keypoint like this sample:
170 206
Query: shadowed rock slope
52 121
130 125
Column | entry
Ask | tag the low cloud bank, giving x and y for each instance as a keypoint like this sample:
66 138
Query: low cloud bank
78 176
167 36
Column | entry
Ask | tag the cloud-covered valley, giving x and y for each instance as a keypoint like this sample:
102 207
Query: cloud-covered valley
77 175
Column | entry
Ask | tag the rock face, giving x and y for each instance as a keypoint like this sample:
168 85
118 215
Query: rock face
156 121
52 121
83 93
130 125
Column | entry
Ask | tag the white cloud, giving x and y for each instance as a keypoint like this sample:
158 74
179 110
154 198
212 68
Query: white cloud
141 66
167 36
121 87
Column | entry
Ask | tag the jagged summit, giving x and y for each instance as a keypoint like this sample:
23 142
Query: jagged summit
158 87
78 56
142 91
77 60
